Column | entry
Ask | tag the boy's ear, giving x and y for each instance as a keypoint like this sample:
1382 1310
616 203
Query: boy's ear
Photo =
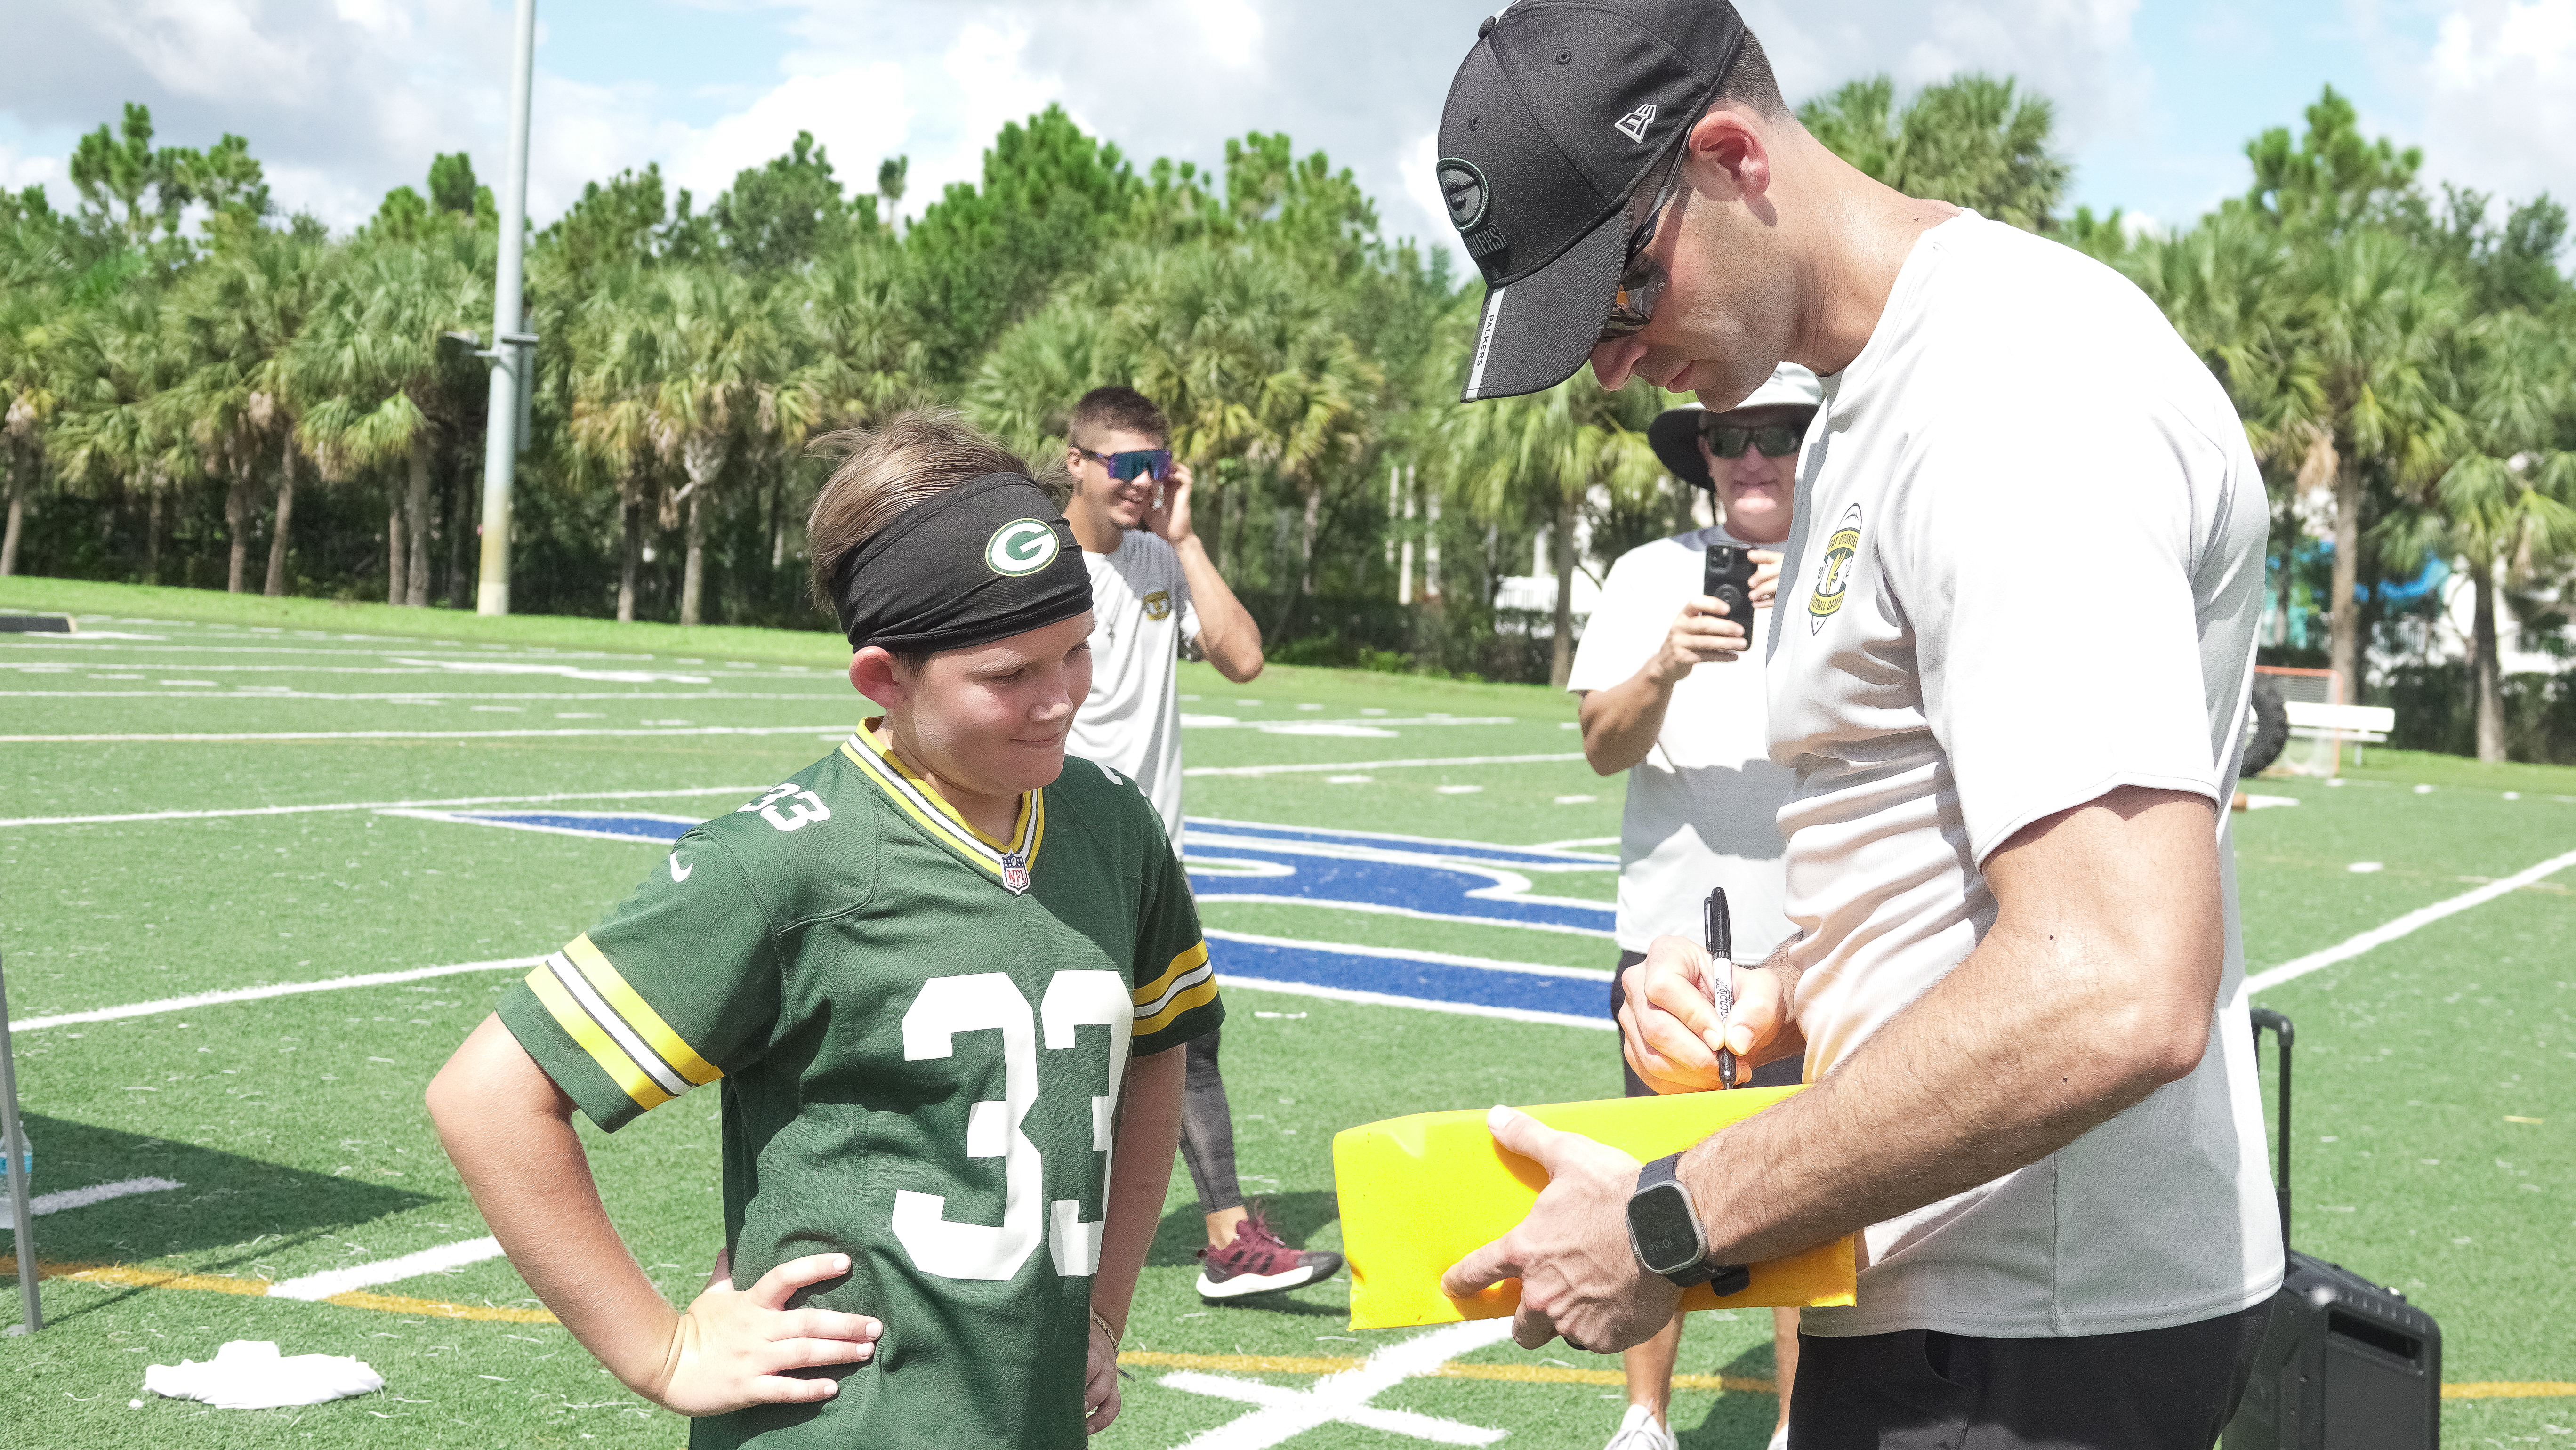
874 673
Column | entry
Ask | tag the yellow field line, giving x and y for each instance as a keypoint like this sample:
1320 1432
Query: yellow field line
132 1276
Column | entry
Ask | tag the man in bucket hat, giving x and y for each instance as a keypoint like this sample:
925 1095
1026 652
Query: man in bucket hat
1671 684
2018 986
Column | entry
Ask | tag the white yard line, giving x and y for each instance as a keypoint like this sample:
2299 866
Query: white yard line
1340 765
819 731
254 994
1343 1398
386 1271
1377 908
2416 920
478 800
45 1203
263 692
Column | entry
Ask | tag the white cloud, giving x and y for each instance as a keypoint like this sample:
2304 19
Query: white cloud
2499 94
19 171
2078 53
857 115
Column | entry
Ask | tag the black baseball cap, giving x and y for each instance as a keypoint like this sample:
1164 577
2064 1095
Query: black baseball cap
1560 112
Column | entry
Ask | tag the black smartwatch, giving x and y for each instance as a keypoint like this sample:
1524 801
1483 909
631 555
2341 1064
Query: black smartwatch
1663 1229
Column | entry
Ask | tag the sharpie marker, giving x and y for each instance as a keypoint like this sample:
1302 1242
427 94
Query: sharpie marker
1721 972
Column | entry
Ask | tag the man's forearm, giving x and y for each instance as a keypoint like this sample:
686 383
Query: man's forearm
2049 1028
1227 634
1140 1174
513 1144
1621 723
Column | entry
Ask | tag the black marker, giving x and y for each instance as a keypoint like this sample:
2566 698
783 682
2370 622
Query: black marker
1721 972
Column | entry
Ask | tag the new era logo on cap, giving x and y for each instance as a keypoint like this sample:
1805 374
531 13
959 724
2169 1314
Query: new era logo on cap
1549 128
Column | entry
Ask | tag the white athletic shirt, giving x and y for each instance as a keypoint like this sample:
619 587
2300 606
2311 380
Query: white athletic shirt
1131 720
1702 804
2026 570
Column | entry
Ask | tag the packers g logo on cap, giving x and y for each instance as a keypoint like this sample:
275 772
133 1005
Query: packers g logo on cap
1022 546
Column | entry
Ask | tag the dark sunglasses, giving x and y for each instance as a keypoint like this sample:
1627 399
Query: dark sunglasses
1641 281
1775 440
1155 463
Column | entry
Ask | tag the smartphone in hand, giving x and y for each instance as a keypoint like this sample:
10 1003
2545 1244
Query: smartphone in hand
1728 576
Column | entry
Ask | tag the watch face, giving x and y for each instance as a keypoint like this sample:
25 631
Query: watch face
1667 1235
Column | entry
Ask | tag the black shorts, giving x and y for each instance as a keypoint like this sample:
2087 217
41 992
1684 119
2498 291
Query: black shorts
1787 1072
2156 1389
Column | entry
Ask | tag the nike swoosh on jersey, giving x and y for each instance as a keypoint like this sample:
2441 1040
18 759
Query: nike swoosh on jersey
678 871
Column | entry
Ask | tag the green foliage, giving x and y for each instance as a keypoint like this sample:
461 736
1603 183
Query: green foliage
2331 180
781 215
154 186
1974 140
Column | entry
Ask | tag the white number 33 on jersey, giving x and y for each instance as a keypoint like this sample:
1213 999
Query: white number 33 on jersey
802 806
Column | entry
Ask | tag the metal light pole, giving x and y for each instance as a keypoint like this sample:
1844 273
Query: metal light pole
513 351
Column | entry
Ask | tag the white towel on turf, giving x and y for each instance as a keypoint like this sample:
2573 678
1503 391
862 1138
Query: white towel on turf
249 1374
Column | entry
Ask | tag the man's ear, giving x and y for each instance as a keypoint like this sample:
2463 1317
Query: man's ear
1729 156
873 673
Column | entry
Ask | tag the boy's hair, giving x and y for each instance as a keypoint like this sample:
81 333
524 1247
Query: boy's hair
885 471
1115 410
1750 83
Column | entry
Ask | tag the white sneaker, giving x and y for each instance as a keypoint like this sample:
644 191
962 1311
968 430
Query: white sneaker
1638 1431
1780 1438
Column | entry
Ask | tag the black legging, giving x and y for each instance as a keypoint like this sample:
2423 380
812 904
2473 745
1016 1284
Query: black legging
1207 1129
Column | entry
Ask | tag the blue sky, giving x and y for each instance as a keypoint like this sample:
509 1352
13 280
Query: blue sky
346 98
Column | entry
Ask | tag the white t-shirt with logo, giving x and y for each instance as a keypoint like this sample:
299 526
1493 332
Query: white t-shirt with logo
1702 805
1131 720
2026 570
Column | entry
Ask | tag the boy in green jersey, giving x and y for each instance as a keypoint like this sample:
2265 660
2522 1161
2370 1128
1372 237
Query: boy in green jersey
939 972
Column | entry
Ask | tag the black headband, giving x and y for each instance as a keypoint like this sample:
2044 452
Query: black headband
983 561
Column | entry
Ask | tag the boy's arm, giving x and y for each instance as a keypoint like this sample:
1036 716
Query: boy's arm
508 1129
1227 634
1140 1174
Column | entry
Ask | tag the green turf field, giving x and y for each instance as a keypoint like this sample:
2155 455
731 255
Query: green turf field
131 874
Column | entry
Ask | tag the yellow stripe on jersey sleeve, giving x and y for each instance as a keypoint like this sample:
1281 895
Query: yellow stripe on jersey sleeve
612 1059
639 1015
1188 983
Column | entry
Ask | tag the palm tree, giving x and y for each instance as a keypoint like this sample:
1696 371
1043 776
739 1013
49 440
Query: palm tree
718 345
114 368
1554 448
236 314
615 430
2506 501
1973 140
381 386
2373 318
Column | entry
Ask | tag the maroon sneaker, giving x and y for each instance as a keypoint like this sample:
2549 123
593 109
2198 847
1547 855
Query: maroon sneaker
1257 1262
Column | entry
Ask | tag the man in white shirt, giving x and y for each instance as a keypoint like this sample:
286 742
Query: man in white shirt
1152 587
2019 988
1703 794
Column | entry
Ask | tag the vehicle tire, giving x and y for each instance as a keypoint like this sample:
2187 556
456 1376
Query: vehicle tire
2267 728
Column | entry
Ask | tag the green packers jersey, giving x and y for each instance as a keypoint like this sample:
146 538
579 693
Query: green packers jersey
921 1033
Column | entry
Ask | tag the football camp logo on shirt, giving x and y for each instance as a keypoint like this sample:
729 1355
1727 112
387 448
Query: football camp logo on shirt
1022 546
1158 605
1833 576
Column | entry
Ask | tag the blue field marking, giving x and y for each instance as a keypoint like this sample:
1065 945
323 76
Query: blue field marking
1422 877
1365 871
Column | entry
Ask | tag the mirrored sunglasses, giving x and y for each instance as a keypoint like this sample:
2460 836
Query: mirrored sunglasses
1155 463
1775 440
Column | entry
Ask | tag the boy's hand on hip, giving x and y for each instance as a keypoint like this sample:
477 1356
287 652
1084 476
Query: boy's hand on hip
733 1348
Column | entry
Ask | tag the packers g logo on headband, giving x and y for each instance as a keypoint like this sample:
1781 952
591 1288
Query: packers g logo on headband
1022 546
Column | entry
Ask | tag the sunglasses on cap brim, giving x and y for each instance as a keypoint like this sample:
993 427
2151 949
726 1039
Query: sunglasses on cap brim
1774 440
1154 463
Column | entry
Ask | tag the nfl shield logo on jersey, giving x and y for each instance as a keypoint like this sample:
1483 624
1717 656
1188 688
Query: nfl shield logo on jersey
1015 878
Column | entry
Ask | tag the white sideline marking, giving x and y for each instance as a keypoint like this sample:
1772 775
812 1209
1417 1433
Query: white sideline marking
1384 999
254 994
386 1271
1346 765
475 800
2412 921
45 1203
1381 909
831 732
1343 1398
